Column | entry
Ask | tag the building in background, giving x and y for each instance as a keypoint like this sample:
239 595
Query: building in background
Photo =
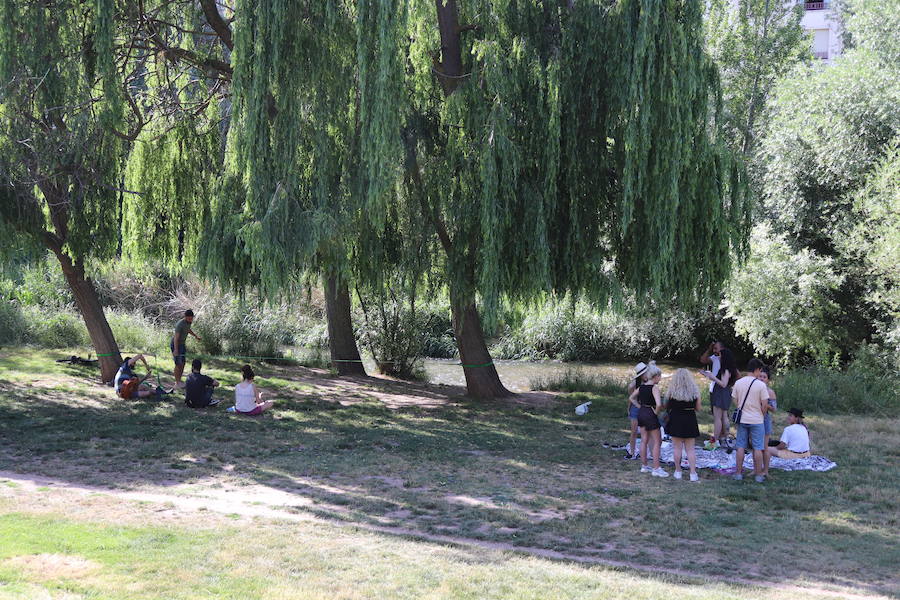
822 23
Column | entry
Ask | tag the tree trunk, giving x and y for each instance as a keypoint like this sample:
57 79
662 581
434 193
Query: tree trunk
341 341
482 380
88 303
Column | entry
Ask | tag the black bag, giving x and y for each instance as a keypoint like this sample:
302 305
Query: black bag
736 415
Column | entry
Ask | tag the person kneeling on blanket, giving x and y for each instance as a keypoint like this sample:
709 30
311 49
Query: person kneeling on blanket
794 439
127 384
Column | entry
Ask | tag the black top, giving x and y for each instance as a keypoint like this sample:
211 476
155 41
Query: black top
682 404
195 386
645 395
123 375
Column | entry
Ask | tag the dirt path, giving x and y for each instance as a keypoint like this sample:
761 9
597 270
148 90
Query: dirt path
260 501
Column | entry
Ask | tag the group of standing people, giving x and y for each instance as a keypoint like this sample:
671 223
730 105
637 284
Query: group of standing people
751 396
198 388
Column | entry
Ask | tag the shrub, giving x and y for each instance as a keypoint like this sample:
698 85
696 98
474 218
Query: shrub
581 334
861 389
438 339
12 323
134 332
54 329
43 284
395 334
575 380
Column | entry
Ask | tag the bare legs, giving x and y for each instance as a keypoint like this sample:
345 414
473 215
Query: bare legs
720 424
633 440
687 444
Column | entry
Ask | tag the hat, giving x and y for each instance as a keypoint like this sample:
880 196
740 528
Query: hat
640 369
796 412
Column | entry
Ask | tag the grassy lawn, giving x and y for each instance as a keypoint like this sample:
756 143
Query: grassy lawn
362 489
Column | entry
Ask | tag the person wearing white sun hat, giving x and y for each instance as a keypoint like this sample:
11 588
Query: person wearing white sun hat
640 370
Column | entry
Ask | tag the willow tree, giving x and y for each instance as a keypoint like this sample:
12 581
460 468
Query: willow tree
551 147
63 119
286 206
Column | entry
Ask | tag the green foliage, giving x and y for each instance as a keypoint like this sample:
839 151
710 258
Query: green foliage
54 328
754 43
12 321
574 380
782 301
830 160
395 333
559 160
856 389
579 333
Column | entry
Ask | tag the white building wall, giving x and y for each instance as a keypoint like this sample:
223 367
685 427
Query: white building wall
821 22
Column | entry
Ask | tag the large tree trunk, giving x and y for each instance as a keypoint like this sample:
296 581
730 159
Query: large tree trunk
341 341
88 303
482 380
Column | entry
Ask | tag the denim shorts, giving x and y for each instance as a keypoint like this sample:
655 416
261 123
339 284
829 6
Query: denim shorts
755 433
179 358
767 421
633 412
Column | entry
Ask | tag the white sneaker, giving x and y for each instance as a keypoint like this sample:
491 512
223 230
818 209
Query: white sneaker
677 474
646 469
660 472
695 477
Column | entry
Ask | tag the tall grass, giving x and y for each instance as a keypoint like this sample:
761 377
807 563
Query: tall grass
824 391
576 380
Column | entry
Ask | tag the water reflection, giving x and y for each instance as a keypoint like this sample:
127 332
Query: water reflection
518 374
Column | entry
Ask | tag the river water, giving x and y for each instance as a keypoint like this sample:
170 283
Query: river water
518 375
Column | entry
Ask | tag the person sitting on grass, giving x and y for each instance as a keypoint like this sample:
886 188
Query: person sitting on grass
247 397
127 384
683 404
647 398
794 439
198 389
639 371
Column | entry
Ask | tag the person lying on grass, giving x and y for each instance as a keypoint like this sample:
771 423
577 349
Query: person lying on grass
794 439
127 384
247 397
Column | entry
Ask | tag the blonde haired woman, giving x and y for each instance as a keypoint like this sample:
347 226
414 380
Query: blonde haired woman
683 404
646 397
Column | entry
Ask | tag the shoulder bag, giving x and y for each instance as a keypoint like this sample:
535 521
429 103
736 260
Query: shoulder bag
736 415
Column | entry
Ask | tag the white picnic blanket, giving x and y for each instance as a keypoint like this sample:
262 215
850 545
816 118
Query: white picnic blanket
722 460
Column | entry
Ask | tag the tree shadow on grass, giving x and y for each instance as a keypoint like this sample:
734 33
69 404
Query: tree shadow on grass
526 477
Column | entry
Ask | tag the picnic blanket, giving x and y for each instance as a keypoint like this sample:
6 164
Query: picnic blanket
723 462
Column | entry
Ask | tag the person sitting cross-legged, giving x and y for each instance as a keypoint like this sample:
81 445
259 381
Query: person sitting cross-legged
198 389
794 439
247 397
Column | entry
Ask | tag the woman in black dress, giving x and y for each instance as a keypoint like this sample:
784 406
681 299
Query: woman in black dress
647 399
683 404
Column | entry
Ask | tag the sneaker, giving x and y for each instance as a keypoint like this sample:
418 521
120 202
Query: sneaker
737 476
646 469
628 456
677 474
213 401
179 385
660 472
695 477
759 478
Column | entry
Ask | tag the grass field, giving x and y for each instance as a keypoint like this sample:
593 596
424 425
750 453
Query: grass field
379 489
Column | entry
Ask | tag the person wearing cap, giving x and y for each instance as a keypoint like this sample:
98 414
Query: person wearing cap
178 344
640 370
198 389
794 439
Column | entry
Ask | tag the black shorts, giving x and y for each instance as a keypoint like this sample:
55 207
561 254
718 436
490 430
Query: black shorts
647 418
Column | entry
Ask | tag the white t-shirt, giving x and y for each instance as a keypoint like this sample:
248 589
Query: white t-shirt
244 396
714 368
796 438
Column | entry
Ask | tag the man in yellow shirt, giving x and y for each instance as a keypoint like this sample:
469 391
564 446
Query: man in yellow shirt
752 399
